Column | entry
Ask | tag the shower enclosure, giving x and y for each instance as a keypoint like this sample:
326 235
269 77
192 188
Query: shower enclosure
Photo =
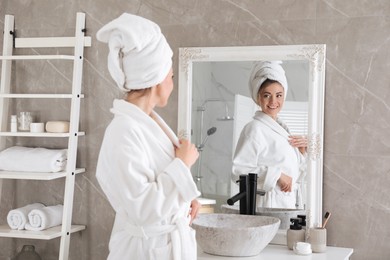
203 135
212 125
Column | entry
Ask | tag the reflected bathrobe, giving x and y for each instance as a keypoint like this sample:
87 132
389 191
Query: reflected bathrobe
149 189
263 148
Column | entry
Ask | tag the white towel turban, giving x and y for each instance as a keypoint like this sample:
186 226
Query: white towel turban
139 55
264 70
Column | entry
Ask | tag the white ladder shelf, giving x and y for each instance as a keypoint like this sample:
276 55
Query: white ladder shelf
78 42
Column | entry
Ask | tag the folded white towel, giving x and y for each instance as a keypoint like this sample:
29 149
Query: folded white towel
44 218
27 159
17 218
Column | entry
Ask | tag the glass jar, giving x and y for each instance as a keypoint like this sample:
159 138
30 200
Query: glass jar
27 253
24 119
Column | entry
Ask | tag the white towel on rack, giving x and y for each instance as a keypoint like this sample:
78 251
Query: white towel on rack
44 218
17 218
28 159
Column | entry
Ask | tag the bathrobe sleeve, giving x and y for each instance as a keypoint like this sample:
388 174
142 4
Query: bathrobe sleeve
249 158
139 179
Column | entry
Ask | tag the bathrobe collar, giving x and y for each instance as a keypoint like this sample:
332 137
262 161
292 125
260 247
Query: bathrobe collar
273 124
277 126
124 108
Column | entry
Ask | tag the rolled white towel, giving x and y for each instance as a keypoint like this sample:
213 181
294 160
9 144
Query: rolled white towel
17 218
27 159
44 218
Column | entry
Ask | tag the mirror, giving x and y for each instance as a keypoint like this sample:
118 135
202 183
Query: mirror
215 104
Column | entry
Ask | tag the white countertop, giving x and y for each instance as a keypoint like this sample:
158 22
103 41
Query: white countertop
205 201
278 252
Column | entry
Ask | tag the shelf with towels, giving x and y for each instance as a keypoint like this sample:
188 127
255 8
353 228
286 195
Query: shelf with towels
36 175
47 234
77 43
45 134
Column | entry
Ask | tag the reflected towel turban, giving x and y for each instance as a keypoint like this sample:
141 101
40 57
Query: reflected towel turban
139 56
264 70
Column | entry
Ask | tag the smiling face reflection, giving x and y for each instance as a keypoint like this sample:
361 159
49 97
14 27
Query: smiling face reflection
271 98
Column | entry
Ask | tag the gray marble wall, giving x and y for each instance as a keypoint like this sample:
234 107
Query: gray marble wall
356 149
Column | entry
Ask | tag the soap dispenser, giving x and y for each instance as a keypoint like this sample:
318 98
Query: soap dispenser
295 233
302 221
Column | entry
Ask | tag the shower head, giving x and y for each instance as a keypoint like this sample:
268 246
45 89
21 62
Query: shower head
211 131
226 117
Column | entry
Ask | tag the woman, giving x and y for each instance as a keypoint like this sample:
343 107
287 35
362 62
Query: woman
142 168
265 145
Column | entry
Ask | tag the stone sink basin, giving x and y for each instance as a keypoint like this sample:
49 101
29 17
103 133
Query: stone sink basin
283 214
234 234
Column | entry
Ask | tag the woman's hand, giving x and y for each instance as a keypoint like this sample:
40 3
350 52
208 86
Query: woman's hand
194 210
299 141
187 152
285 183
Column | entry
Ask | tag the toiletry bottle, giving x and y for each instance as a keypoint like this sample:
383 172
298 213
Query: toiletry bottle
14 123
295 233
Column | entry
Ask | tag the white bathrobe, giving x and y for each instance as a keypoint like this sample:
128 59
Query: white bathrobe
263 148
149 189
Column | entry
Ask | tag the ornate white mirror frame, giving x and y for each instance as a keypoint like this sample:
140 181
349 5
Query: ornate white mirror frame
315 57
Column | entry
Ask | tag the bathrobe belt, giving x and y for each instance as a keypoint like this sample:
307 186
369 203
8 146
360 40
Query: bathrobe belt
181 244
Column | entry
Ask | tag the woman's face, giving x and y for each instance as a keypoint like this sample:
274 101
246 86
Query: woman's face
164 90
271 99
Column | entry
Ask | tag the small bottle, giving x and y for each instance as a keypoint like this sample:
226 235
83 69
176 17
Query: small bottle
295 233
14 123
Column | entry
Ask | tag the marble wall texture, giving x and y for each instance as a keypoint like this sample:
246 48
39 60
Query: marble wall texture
357 116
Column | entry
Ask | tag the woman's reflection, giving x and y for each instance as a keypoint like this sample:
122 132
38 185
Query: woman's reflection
266 146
